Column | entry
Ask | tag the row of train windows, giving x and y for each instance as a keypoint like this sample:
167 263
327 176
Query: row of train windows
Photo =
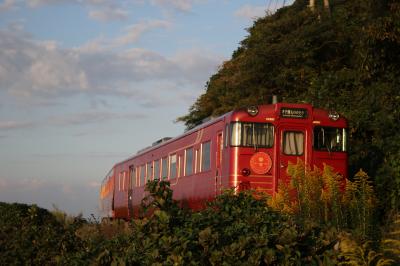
169 167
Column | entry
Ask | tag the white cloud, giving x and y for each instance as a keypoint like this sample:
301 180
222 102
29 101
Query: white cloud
251 12
109 14
130 35
9 125
181 5
7 5
135 31
84 118
37 3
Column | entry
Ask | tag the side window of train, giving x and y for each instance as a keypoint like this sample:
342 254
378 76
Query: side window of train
205 156
149 172
293 143
157 169
164 168
172 166
188 161
142 174
137 176
132 176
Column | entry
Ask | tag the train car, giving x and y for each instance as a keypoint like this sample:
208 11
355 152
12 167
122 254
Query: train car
249 148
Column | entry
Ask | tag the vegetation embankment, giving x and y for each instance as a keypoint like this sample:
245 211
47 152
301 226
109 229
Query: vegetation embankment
311 221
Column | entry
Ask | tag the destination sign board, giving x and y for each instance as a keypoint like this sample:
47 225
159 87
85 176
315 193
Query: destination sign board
294 112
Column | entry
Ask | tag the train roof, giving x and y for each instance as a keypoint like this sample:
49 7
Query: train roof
164 141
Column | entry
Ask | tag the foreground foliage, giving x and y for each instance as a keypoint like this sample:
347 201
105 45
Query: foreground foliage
33 236
235 229
323 197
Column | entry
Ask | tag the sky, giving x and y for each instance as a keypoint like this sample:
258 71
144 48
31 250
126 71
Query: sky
86 83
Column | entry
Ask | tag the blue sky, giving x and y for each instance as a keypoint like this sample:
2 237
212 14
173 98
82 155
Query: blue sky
87 83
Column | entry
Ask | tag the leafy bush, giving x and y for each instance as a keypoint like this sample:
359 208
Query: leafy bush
236 228
32 235
318 197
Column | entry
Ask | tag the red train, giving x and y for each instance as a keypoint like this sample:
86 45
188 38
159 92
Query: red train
242 149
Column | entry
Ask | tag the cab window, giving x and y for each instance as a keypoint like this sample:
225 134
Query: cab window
330 139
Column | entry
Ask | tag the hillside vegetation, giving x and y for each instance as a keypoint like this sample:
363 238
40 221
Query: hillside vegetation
346 58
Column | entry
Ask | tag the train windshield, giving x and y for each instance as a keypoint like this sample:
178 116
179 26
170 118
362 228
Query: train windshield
257 135
330 139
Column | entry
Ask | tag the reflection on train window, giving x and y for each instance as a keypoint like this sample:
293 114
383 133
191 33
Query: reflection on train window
330 139
149 172
205 156
142 175
188 161
258 135
157 169
172 166
164 168
293 143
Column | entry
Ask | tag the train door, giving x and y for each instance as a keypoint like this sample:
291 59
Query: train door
132 182
218 163
292 147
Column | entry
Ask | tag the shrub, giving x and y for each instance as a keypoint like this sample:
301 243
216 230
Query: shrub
32 235
318 197
236 228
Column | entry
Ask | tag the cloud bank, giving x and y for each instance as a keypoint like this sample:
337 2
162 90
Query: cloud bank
32 69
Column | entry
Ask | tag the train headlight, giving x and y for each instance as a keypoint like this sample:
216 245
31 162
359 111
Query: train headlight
252 110
333 115
245 172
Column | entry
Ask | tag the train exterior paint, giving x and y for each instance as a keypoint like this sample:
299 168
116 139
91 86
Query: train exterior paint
248 148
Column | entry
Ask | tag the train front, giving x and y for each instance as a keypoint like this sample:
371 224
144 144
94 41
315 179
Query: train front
265 139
